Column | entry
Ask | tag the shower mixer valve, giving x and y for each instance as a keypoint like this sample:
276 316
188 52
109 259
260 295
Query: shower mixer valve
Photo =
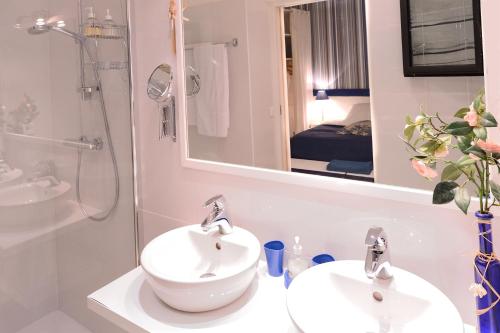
84 143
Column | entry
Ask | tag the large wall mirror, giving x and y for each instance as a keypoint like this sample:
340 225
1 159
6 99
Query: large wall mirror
315 87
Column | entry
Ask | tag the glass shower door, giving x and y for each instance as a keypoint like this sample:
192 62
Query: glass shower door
67 217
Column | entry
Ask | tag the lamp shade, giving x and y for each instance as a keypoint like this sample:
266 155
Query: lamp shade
321 95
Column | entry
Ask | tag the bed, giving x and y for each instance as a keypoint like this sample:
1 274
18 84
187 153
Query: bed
327 142
313 149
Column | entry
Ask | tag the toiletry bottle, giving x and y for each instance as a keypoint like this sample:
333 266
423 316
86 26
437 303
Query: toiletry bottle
92 27
297 263
109 28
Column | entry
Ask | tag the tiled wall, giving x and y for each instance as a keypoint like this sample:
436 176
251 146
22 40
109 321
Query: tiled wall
394 96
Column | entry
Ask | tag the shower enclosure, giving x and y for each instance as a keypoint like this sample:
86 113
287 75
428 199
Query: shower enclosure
67 216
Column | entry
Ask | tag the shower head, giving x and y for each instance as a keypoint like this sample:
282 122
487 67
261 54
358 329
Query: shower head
38 29
41 27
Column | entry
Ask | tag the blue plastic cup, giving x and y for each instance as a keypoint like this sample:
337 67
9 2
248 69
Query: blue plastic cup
322 259
274 255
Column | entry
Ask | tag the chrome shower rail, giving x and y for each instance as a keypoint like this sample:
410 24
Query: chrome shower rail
82 143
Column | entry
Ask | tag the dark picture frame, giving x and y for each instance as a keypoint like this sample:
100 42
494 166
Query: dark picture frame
411 70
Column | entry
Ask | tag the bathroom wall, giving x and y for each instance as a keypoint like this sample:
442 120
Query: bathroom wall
254 133
436 242
394 96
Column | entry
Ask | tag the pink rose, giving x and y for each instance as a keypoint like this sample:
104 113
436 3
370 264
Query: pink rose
488 146
472 118
423 170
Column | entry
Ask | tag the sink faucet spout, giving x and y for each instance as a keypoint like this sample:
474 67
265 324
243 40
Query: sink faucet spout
217 218
377 263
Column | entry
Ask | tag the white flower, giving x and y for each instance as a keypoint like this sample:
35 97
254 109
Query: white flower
478 290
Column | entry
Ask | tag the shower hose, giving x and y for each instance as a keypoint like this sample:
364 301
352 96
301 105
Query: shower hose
103 216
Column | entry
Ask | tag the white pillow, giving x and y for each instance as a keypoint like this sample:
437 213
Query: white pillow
358 112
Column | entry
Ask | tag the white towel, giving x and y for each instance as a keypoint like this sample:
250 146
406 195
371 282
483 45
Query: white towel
212 102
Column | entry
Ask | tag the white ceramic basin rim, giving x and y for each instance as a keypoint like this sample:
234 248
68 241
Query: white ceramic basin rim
196 271
10 176
338 297
31 193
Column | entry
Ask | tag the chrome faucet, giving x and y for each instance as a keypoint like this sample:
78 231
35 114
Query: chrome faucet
377 264
217 216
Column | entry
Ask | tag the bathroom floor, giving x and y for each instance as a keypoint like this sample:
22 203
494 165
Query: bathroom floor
55 322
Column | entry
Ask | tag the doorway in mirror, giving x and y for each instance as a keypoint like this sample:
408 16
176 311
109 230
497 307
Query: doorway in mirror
328 103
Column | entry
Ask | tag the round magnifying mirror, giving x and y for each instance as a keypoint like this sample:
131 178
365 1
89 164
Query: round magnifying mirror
160 83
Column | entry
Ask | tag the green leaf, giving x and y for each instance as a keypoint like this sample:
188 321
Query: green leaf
488 120
462 199
446 139
443 193
429 147
461 113
495 190
409 121
465 161
475 150
409 131
480 133
450 173
464 143
458 128
477 103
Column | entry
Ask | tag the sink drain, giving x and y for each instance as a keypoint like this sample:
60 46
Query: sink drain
378 296
207 275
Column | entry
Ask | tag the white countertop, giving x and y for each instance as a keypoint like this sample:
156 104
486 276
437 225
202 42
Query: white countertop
130 303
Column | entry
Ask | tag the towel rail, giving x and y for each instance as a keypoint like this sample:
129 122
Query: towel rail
232 43
80 143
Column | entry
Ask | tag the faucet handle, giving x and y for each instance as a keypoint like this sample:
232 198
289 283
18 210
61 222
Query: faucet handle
376 236
217 202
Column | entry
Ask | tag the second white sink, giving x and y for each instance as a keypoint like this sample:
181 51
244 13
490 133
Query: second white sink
196 271
338 297
32 204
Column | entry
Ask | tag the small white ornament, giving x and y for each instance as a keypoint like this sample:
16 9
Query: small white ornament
478 290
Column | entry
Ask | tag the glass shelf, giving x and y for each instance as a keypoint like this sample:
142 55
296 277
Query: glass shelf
112 65
114 33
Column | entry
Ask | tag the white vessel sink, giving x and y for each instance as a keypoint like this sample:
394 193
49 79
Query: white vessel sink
8 178
32 204
338 297
195 271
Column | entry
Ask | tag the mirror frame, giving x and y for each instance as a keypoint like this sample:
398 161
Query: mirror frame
337 185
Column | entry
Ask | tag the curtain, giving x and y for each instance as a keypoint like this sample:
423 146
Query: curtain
339 44
302 80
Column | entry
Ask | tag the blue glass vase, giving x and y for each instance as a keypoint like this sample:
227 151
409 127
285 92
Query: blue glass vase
488 322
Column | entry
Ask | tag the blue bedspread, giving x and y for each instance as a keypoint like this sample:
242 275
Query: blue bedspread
325 143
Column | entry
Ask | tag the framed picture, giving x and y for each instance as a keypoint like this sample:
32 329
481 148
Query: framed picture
441 38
